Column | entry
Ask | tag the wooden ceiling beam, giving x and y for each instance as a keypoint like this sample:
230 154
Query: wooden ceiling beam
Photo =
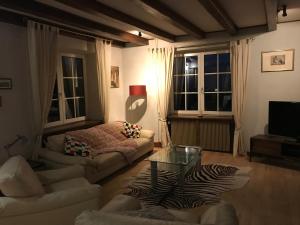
271 14
42 11
21 20
162 11
220 15
96 8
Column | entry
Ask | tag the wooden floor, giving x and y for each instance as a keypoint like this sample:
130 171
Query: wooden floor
271 197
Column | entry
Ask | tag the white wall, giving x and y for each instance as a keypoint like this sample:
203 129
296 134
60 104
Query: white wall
15 113
263 87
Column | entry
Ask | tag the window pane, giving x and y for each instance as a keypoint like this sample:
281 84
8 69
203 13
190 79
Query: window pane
78 67
67 64
179 83
192 101
210 83
210 102
179 101
191 65
178 67
69 104
224 62
224 82
80 107
191 83
54 112
210 63
225 102
55 91
68 88
79 87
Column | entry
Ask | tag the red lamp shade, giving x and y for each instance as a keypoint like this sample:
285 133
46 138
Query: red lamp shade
137 90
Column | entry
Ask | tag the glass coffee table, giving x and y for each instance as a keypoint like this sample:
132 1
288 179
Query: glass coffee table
179 159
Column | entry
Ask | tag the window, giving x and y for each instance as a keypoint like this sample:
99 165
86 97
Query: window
185 82
202 83
68 101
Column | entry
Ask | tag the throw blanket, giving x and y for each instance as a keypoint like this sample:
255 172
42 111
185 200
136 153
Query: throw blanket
107 138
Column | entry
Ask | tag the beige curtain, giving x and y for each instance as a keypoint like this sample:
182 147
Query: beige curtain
163 64
239 68
103 57
43 55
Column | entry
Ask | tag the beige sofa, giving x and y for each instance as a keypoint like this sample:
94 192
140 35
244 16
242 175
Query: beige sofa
102 165
67 194
126 210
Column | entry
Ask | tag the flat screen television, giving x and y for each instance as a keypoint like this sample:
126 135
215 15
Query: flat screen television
284 119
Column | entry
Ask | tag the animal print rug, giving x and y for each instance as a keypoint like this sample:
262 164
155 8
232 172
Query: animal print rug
203 185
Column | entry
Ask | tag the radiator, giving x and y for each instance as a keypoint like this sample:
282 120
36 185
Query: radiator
209 134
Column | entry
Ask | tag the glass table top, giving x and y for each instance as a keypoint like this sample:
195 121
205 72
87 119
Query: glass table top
178 154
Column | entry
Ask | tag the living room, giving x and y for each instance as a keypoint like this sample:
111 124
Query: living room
226 135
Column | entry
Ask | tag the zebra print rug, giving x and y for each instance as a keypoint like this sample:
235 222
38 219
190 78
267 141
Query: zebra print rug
203 185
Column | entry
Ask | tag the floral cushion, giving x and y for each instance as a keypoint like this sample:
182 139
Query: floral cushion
76 148
131 130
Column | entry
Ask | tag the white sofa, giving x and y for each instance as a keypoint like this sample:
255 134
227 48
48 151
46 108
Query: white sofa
68 193
102 165
121 209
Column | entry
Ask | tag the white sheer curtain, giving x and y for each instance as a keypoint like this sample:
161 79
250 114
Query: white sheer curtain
103 57
239 68
43 56
162 59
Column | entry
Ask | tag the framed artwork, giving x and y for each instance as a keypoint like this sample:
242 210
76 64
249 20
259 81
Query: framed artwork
114 78
282 60
5 83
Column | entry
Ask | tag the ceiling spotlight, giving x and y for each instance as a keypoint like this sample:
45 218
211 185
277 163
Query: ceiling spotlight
140 34
283 9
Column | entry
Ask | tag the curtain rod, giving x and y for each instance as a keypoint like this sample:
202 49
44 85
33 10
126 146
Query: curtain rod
210 46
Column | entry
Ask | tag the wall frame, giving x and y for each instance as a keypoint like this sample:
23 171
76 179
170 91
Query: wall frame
114 78
5 83
276 61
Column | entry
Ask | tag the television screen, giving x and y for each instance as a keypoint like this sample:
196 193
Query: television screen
284 118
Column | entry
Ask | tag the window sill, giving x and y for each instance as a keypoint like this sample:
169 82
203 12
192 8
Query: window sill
70 126
199 117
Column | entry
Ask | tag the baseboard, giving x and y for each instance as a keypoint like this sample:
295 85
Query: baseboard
157 144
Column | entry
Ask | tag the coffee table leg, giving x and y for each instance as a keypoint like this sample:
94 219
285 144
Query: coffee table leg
181 179
153 174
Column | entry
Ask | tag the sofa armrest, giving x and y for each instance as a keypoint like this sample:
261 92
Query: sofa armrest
51 176
121 203
22 206
220 214
149 134
104 218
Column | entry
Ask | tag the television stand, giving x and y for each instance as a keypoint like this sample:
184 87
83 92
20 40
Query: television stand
274 146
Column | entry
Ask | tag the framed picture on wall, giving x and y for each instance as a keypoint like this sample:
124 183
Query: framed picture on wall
5 83
114 79
281 60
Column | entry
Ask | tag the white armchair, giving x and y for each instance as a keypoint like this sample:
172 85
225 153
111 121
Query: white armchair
67 195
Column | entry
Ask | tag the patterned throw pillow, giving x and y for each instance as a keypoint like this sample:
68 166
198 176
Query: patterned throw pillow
76 148
131 130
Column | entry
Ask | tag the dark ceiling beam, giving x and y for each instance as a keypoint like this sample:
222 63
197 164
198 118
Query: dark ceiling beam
96 8
21 20
162 11
58 16
271 14
220 15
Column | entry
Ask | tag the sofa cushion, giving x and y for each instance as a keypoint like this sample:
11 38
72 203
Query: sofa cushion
185 216
220 214
68 184
56 142
17 179
76 148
